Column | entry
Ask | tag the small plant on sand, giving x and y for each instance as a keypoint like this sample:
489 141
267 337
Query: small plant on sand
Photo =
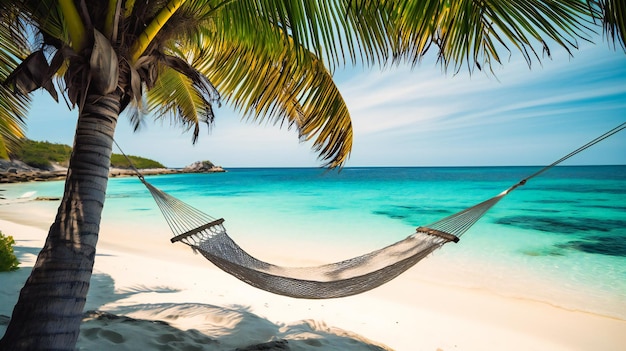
8 261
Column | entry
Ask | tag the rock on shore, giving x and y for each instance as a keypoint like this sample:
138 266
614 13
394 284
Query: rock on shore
202 167
16 171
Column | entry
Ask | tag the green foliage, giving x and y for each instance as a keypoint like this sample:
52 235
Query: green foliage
40 154
8 261
119 161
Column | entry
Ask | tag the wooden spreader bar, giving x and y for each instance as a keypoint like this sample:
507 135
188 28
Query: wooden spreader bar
439 233
197 230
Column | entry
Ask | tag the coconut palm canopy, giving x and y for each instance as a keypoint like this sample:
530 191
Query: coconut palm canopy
271 60
200 39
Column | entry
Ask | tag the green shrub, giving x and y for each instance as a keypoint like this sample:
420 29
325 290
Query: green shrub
39 154
119 161
8 261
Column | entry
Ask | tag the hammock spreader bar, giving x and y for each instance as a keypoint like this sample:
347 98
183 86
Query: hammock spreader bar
208 236
201 228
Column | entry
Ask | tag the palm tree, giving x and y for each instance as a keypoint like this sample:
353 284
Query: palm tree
269 59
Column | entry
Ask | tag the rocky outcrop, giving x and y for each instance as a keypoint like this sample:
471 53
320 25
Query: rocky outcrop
15 171
203 167
16 166
18 172
31 176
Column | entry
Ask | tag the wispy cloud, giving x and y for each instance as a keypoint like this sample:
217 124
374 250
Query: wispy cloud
418 116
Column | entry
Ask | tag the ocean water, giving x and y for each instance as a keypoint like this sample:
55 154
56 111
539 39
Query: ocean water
561 238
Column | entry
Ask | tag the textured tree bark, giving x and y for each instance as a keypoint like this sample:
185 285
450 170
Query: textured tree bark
50 307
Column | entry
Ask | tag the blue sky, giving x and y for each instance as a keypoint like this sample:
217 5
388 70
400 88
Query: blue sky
414 117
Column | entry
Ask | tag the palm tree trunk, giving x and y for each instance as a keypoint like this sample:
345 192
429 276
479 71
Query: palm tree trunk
49 310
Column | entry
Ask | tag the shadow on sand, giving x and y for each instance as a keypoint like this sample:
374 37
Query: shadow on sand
180 326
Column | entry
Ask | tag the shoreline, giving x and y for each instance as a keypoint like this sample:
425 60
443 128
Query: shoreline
454 266
60 174
16 171
416 311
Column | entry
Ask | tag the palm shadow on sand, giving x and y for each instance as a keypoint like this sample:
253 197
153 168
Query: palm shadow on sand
180 326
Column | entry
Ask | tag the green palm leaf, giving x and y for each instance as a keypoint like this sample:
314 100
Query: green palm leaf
13 107
476 32
177 97
45 17
277 80
335 31
612 14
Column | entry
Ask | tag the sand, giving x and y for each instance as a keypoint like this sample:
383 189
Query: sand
155 295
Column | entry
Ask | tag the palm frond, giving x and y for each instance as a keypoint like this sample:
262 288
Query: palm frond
470 32
177 96
337 32
13 107
270 82
476 33
45 17
612 14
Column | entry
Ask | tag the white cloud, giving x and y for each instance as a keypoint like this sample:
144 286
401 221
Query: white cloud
412 117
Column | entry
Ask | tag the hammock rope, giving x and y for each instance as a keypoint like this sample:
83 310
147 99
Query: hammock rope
207 235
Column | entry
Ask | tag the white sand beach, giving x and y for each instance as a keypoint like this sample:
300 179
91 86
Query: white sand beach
155 295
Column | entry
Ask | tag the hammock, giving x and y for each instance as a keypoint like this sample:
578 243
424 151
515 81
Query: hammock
207 235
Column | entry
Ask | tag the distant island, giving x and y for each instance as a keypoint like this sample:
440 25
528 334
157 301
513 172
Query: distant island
42 160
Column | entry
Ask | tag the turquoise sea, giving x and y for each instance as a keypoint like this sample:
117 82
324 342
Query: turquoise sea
561 238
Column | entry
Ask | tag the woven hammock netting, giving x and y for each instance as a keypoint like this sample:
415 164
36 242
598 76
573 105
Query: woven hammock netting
207 235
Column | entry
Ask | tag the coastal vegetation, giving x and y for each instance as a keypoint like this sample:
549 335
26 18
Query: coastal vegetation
271 60
41 154
8 261
119 161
